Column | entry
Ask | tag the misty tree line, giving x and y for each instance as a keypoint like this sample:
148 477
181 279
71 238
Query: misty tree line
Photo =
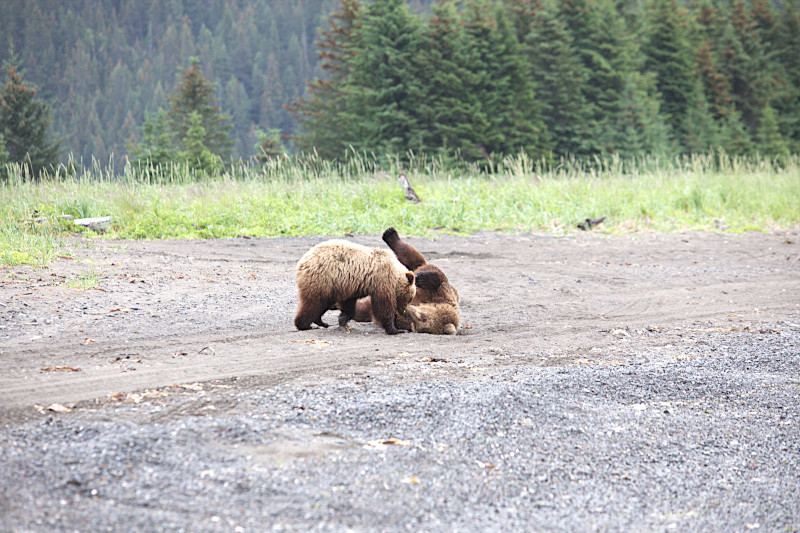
469 78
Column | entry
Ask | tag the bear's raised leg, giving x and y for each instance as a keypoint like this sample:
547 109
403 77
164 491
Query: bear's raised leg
348 308
310 312
406 254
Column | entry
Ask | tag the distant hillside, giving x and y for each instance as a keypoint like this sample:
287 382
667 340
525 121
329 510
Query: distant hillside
103 64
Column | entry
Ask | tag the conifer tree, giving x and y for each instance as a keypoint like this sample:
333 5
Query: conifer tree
787 50
320 114
597 34
499 80
195 152
195 94
157 147
638 127
716 85
446 109
702 129
559 76
24 123
770 140
4 155
383 89
668 55
269 146
734 137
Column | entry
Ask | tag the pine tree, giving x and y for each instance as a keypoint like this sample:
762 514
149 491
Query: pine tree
195 153
638 126
787 50
446 109
195 94
522 14
382 90
269 146
734 137
500 81
559 76
24 123
770 140
322 126
702 130
716 85
598 36
668 55
157 147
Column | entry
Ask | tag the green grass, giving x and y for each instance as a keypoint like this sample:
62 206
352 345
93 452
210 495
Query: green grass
312 197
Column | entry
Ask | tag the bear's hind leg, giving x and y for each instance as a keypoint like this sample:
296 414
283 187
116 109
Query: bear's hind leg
405 253
310 312
348 308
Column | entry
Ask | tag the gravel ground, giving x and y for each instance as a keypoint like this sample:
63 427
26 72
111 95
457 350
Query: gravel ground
640 402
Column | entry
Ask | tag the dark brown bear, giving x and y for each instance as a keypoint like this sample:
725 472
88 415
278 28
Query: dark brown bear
435 308
340 272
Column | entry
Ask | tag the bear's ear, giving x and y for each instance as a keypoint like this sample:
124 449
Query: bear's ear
410 277
430 280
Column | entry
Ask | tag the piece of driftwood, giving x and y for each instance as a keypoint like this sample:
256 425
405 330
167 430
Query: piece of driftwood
410 195
98 224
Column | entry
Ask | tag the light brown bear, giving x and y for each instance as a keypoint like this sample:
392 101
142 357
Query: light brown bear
339 272
434 308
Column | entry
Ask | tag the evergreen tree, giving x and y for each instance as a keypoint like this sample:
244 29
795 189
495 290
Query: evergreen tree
559 76
24 122
383 91
446 109
716 85
734 137
702 130
269 145
787 49
500 81
320 114
195 152
195 94
597 36
638 127
522 14
157 147
770 140
5 158
668 55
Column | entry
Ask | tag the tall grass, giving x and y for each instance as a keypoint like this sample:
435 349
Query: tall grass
310 196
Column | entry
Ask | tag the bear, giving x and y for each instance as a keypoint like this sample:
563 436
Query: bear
339 272
434 308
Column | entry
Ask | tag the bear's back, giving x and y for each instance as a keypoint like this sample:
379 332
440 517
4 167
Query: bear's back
346 267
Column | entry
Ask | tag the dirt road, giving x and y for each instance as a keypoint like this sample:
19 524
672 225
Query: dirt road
199 335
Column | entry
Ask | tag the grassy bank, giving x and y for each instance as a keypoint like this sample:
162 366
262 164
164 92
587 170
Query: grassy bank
299 198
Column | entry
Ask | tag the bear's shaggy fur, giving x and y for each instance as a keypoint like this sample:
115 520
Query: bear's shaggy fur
434 308
340 272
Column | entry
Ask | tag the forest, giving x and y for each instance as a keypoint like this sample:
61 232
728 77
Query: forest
470 79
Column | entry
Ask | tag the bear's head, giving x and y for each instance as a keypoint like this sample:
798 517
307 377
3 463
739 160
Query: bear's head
436 319
404 291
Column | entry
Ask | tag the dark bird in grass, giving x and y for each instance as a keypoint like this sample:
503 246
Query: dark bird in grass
411 196
589 223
